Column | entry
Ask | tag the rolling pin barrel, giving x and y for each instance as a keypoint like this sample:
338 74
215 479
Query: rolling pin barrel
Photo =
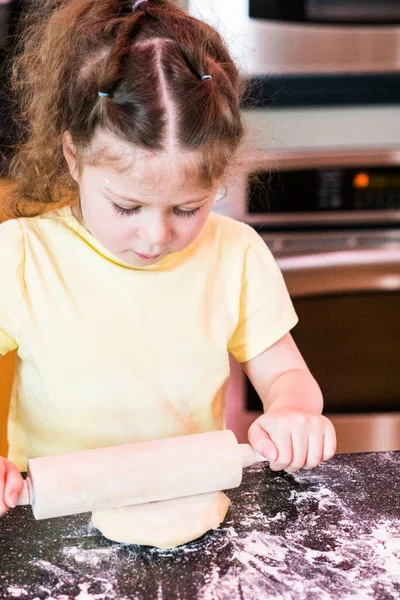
135 473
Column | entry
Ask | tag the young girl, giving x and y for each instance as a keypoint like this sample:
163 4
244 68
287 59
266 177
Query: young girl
124 304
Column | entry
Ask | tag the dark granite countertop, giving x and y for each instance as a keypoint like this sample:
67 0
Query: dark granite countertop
325 534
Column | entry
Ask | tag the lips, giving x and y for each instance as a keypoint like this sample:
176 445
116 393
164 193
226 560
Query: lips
147 256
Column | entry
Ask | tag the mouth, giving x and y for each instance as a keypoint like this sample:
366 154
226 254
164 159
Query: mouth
147 256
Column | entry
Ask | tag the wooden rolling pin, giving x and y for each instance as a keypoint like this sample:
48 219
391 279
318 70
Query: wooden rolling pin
78 482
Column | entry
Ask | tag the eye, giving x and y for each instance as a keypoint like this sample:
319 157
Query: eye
186 213
125 211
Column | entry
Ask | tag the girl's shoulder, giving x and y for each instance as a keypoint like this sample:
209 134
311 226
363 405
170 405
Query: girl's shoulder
20 233
228 227
234 232
48 219
11 237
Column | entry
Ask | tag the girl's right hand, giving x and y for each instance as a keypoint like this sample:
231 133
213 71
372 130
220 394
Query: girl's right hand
11 484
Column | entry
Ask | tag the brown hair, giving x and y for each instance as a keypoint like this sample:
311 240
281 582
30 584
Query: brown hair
72 49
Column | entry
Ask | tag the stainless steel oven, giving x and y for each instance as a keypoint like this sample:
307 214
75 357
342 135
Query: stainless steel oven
325 36
312 52
332 220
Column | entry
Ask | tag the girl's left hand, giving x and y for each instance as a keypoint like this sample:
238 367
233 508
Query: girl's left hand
292 439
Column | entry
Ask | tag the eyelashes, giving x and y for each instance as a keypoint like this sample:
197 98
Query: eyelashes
186 214
124 211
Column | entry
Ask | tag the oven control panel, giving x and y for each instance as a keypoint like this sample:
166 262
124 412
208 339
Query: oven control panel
324 189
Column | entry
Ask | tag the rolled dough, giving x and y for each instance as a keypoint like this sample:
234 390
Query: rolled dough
164 524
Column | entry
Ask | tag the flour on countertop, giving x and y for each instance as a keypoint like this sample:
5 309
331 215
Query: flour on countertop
303 541
344 548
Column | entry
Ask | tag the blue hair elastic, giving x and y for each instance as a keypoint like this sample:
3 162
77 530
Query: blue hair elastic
134 7
102 94
206 77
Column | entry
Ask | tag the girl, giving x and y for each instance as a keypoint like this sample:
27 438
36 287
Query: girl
123 304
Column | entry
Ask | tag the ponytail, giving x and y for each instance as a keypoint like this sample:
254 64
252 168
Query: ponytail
84 65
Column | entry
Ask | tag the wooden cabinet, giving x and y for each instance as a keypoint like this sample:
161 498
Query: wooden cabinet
7 366
7 363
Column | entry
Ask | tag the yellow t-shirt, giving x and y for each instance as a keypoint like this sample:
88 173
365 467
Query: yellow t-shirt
111 354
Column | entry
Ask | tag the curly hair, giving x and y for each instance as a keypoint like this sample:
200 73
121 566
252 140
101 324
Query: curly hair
144 62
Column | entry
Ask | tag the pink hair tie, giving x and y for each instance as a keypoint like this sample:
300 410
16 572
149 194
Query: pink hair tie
134 7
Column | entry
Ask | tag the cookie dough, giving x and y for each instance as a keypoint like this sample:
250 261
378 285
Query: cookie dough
165 524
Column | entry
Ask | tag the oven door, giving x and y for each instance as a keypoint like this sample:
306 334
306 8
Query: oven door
362 12
348 304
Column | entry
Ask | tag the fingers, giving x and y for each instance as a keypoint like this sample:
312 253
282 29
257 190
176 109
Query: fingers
329 441
321 445
261 442
278 451
11 484
300 451
283 442
315 450
14 485
293 441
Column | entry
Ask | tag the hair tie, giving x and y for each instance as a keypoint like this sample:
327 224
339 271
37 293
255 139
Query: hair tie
206 77
134 7
102 94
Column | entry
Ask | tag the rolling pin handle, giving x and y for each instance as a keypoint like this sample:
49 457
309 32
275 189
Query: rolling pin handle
249 455
25 497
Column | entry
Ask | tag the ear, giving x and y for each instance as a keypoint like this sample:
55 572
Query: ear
70 155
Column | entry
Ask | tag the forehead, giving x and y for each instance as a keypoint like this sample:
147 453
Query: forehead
118 163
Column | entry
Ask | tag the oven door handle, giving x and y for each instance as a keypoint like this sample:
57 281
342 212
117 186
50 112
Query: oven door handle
348 271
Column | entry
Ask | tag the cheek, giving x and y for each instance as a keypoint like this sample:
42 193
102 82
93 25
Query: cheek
193 227
108 228
188 230
117 231
188 234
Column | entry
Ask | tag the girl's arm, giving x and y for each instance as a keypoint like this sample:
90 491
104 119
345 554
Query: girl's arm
292 433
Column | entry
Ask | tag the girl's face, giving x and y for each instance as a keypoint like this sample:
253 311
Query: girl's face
146 213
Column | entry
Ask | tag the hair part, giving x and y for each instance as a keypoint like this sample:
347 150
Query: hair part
149 62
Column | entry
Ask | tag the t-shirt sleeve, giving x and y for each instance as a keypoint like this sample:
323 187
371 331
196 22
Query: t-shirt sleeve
11 283
266 311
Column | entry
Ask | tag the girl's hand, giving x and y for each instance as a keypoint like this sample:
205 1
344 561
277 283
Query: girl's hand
291 439
11 484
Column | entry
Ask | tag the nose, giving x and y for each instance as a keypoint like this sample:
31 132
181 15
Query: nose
157 231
